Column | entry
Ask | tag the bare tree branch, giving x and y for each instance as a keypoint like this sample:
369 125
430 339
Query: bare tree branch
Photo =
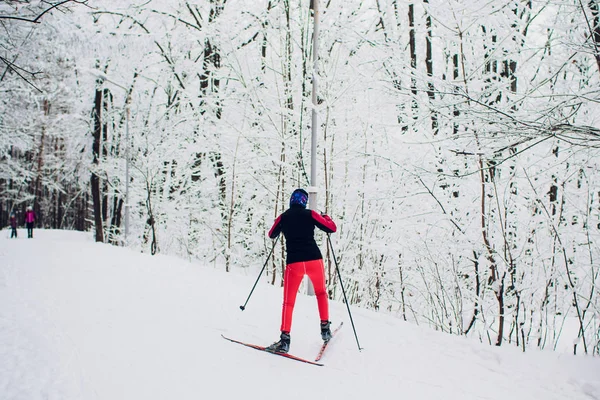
18 70
36 20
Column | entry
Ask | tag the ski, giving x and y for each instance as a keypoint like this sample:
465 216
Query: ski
324 346
263 348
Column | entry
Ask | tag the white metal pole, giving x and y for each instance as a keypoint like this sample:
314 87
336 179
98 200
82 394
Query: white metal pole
313 191
313 144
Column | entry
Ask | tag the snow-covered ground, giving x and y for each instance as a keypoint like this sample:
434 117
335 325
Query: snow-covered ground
81 320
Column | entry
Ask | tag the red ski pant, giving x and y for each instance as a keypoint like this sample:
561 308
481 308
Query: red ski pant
294 273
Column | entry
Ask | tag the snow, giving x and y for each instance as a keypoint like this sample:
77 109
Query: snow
82 320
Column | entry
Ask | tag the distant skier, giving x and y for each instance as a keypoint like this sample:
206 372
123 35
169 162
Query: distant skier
29 221
13 225
303 258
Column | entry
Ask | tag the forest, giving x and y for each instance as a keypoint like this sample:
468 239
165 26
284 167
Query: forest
457 148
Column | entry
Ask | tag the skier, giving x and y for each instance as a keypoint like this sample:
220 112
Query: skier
29 220
303 258
13 225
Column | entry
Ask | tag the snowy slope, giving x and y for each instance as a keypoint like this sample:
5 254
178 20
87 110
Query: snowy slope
81 320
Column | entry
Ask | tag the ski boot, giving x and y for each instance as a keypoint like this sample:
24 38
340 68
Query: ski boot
283 346
326 331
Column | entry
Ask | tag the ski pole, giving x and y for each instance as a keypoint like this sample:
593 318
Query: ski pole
343 291
261 271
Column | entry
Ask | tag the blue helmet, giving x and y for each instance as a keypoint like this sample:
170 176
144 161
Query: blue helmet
300 197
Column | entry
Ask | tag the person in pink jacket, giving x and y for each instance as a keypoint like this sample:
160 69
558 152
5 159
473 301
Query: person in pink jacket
29 221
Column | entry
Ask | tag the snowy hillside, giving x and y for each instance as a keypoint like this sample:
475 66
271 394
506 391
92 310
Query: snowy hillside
80 320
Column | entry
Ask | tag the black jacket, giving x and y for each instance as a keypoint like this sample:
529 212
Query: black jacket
298 227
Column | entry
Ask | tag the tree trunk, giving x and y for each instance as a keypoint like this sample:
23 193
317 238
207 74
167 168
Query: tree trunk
477 293
412 44
95 181
209 83
40 163
455 74
429 66
595 34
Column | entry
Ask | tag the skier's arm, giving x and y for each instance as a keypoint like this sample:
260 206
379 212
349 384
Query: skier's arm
324 222
276 228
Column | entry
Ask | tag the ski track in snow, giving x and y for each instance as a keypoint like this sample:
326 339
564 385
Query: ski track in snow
81 320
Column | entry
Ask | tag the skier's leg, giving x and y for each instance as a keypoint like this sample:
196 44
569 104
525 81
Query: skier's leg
291 282
316 272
